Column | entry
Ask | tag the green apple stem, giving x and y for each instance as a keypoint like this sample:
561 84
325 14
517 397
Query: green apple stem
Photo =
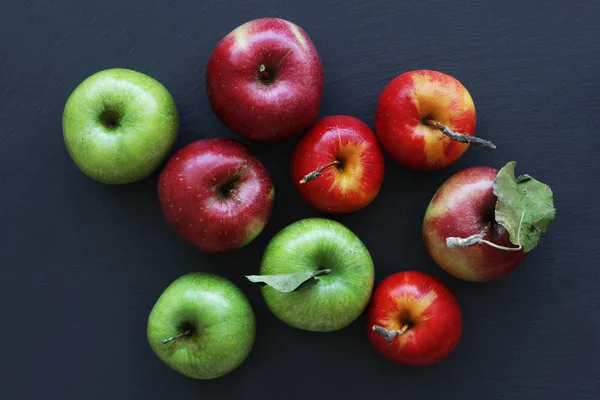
186 333
389 334
264 74
317 172
478 238
461 137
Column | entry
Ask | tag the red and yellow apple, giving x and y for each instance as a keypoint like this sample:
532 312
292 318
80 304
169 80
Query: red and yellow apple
465 206
413 111
265 79
337 166
414 319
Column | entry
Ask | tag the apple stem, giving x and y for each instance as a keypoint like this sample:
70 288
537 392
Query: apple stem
186 333
263 72
389 334
461 137
461 243
317 172
237 198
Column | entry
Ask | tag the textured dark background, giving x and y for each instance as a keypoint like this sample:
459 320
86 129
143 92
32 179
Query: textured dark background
83 263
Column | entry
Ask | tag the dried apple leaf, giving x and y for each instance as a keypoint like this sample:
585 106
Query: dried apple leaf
287 282
526 198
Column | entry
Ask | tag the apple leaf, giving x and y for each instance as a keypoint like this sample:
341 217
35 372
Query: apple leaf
523 203
287 282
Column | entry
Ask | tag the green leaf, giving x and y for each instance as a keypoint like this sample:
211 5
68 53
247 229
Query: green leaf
287 282
526 198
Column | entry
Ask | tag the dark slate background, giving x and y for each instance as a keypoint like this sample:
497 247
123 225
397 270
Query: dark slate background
83 263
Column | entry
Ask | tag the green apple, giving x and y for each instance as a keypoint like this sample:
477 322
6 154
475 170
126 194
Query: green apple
202 326
119 125
332 272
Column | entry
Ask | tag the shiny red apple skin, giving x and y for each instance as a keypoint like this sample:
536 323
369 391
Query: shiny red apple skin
195 194
430 308
349 186
404 105
463 206
248 104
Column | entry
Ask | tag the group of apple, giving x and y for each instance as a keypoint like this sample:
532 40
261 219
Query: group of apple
265 82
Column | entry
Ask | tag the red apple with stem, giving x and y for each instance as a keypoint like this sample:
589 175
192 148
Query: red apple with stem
481 223
426 120
216 194
414 319
265 79
337 166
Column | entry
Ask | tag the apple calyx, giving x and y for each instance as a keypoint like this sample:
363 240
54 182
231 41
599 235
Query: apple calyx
460 137
522 199
183 334
317 172
389 334
110 118
288 283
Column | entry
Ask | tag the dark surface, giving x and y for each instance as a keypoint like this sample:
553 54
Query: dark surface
83 263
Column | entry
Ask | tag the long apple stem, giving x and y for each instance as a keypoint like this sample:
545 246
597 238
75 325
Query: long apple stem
389 334
461 137
186 333
317 172
461 243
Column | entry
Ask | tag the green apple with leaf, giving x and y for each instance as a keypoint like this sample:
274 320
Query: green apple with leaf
316 275
202 326
482 223
119 125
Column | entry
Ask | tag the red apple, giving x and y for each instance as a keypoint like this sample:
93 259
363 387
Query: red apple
414 319
216 195
462 207
337 166
423 116
265 79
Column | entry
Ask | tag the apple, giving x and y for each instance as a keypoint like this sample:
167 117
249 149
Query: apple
202 326
216 194
317 275
425 120
337 166
265 79
119 125
414 319
481 223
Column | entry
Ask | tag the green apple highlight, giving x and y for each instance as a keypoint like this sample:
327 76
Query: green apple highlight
202 326
119 125
317 275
